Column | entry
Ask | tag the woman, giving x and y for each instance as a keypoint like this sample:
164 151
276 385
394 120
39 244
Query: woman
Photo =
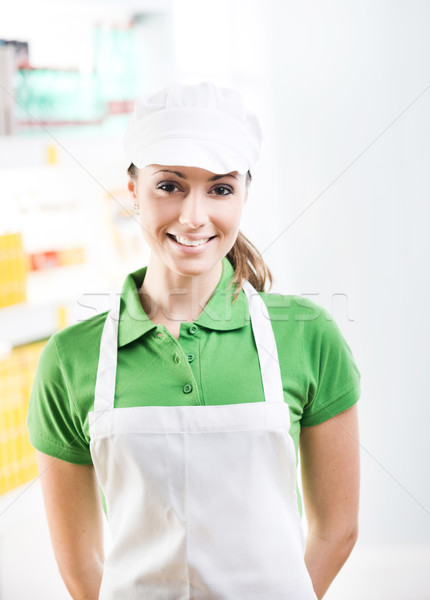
186 402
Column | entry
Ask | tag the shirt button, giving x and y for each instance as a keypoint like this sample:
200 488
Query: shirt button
177 358
193 328
190 357
187 388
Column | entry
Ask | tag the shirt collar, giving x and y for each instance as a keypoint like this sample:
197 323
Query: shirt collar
220 313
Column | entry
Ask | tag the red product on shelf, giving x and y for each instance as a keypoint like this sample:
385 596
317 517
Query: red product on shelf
44 260
117 107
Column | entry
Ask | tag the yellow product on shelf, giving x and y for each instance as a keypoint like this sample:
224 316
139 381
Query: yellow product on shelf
17 457
62 318
51 154
13 270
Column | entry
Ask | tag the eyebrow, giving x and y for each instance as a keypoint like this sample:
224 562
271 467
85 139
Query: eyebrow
183 176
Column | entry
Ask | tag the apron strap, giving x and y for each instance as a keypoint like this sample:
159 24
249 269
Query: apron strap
266 345
104 395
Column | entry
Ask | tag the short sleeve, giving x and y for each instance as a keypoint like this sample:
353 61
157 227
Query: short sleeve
52 420
333 376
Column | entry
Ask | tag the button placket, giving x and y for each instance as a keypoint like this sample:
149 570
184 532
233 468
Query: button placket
192 353
188 342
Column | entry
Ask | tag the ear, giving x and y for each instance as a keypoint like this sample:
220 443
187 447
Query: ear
132 188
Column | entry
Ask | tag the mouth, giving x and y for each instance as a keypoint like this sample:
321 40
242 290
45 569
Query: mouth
183 241
188 245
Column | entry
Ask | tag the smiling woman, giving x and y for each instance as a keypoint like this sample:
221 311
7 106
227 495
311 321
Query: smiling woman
245 258
188 401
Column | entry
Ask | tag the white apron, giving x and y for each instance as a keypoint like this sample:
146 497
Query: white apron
201 500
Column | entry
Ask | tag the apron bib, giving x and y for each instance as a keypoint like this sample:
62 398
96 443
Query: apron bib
201 500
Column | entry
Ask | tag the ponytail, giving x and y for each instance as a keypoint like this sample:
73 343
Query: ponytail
248 264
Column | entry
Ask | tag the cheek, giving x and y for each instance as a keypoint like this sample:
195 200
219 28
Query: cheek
227 226
230 219
156 214
150 223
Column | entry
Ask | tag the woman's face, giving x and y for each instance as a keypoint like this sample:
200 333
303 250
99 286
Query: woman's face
190 217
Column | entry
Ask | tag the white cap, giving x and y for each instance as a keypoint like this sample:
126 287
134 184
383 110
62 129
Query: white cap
193 126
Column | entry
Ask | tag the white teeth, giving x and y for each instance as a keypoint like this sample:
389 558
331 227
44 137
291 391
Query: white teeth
186 242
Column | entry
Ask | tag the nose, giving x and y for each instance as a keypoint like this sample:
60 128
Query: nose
194 210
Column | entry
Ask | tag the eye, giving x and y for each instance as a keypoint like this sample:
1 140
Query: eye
167 186
222 190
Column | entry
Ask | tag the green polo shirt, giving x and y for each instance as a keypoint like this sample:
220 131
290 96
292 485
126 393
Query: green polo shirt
214 361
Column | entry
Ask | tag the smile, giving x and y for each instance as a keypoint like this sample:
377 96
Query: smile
187 242
190 244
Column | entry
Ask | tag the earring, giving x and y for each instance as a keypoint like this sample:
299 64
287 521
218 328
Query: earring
136 208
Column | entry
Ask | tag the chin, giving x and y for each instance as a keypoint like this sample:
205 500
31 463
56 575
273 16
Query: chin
195 266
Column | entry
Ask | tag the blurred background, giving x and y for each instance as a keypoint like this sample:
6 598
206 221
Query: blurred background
339 207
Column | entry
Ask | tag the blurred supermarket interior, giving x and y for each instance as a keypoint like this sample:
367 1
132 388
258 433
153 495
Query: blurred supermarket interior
340 151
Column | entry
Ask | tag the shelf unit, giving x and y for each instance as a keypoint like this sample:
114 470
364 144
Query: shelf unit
64 188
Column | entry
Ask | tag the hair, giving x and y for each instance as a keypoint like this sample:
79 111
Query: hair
246 260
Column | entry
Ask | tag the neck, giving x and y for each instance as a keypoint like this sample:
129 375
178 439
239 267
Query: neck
169 296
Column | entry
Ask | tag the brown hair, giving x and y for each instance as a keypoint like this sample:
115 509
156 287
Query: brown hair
246 260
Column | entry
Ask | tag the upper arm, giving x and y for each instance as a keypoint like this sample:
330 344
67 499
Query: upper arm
330 472
56 422
333 379
74 512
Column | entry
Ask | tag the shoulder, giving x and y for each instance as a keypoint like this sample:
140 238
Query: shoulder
297 309
314 324
77 341
90 328
308 326
71 354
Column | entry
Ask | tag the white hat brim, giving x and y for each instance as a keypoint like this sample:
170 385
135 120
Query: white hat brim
188 152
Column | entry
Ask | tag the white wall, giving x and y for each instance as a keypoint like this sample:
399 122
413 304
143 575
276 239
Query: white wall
341 79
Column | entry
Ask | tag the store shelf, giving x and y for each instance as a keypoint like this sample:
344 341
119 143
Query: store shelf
84 146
